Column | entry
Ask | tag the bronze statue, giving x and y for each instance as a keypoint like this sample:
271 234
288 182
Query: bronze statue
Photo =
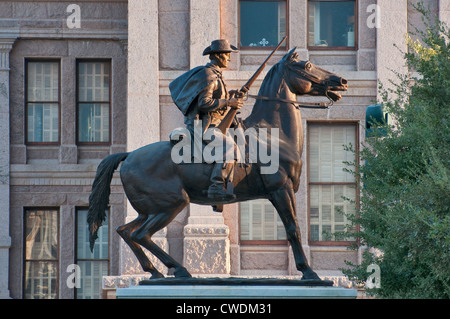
158 189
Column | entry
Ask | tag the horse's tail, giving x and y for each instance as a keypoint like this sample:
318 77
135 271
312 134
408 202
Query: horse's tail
99 198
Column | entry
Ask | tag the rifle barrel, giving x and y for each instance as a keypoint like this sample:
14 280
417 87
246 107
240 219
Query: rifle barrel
228 119
249 83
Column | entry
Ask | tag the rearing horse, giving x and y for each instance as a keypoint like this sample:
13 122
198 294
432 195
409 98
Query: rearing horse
158 189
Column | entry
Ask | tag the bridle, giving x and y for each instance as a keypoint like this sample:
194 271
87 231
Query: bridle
296 104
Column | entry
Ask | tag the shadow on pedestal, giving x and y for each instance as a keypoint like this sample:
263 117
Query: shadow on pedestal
236 281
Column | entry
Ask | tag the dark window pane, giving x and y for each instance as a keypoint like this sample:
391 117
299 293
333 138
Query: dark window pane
101 244
93 265
93 101
42 122
42 89
331 23
41 254
262 23
93 122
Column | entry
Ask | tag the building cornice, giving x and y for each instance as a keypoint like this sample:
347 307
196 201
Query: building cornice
52 33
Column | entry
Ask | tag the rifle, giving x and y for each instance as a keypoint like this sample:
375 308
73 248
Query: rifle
228 119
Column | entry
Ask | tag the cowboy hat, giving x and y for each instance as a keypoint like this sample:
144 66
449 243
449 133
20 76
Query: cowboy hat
220 46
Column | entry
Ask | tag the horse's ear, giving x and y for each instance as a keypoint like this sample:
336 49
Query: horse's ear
291 55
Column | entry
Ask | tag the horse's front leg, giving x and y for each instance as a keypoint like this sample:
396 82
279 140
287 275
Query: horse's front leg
284 201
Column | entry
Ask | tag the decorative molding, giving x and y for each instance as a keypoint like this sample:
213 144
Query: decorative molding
213 230
5 47
5 241
57 178
124 42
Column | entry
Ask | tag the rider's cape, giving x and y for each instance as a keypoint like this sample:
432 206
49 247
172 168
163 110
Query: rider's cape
185 88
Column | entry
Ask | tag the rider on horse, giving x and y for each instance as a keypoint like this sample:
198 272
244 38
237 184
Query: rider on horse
201 94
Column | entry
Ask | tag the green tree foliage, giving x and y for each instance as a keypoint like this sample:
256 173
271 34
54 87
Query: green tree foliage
405 195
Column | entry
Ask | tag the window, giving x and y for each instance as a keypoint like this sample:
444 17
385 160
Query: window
331 24
93 95
42 101
262 23
93 266
41 254
329 184
260 221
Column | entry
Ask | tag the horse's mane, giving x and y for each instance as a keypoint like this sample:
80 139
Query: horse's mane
270 87
268 84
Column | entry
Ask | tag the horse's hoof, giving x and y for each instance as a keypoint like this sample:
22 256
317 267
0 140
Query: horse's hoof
182 273
310 275
157 275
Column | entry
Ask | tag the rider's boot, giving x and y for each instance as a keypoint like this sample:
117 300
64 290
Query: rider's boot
221 173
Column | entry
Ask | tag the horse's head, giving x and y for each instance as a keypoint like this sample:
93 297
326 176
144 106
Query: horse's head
303 77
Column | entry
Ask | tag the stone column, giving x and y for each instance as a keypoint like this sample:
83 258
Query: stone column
444 11
143 74
206 243
143 113
68 150
5 239
298 17
367 30
205 27
67 250
392 30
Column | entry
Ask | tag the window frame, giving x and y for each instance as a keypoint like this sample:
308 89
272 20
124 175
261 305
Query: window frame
328 48
265 242
24 242
309 183
284 46
76 258
42 60
78 102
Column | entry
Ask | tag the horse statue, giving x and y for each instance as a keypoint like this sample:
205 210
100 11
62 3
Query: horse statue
159 189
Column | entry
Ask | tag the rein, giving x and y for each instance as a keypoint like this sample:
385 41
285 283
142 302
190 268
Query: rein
297 105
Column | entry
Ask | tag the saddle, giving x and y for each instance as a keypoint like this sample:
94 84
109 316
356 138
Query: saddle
181 133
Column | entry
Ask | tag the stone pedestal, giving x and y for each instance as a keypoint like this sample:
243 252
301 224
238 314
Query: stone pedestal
234 292
234 288
206 243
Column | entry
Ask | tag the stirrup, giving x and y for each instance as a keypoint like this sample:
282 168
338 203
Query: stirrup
221 195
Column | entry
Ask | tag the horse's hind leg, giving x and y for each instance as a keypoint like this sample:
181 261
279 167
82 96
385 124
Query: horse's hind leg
143 236
125 232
